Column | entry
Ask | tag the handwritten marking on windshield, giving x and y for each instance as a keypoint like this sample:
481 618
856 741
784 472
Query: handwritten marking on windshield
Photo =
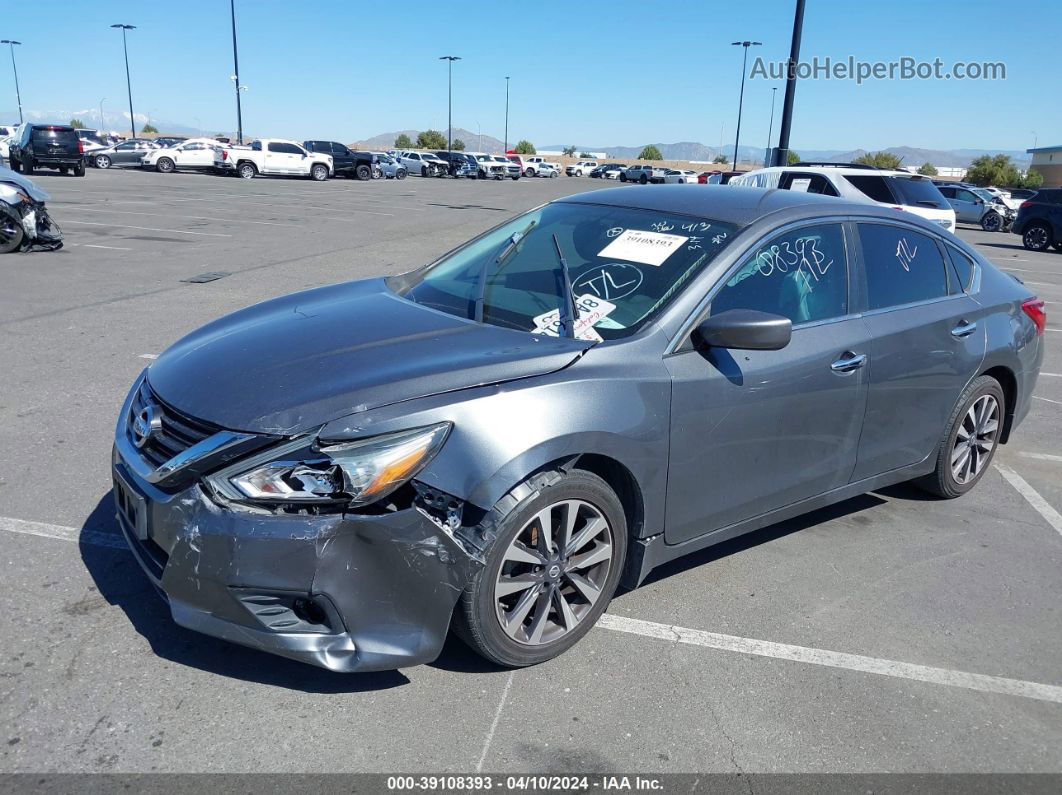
612 281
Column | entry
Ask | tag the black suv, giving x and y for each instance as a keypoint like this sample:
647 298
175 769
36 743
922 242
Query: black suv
346 162
461 165
48 146
1039 220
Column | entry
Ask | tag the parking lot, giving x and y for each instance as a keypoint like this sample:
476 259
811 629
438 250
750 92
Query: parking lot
891 632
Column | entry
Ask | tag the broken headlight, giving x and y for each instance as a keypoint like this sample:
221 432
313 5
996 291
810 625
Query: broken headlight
310 472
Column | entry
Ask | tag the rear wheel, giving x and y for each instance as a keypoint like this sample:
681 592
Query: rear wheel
246 171
102 161
79 170
1037 237
165 165
970 440
64 170
550 571
27 165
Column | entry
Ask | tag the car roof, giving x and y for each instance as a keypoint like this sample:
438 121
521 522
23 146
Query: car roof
730 203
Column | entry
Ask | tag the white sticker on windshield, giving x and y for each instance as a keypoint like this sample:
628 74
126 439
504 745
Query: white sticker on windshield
648 248
590 310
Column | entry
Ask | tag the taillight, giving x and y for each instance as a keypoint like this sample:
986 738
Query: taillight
1034 308
81 147
1025 204
224 155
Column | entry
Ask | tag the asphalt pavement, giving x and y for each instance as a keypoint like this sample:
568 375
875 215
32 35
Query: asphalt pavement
891 632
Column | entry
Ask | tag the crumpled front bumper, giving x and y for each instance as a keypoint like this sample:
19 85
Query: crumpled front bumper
344 592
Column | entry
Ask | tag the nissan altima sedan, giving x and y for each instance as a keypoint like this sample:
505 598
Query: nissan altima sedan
496 441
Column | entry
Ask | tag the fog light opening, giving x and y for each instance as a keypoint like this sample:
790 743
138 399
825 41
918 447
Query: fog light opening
309 611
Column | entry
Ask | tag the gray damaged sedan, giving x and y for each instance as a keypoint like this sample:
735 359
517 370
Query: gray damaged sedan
497 441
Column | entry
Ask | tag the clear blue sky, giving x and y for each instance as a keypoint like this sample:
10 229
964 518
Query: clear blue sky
589 72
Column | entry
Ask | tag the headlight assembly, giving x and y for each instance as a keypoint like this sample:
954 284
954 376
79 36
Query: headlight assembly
306 472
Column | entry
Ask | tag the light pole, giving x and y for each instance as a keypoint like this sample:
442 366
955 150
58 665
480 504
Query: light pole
236 77
1035 138
781 154
479 138
505 144
128 82
11 43
741 97
449 94
770 127
101 115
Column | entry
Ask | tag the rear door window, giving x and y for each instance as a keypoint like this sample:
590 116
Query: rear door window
902 266
801 275
872 185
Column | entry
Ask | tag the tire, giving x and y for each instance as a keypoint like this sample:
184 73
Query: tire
102 161
11 232
515 178
530 172
79 170
246 170
992 221
401 173
553 175
13 164
424 171
64 170
480 611
622 177
318 172
954 453
165 165
644 179
27 166
1037 237
1058 246
363 172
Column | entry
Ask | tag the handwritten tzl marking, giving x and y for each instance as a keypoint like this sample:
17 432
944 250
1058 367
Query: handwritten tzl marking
611 282
905 254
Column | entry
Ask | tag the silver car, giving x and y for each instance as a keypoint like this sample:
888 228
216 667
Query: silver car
496 441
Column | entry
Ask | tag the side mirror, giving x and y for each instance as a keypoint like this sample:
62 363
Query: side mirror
744 329
979 201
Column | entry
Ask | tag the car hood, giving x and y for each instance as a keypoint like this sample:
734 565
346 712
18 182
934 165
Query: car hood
14 178
294 363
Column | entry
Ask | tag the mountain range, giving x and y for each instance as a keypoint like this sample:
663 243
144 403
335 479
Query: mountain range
681 150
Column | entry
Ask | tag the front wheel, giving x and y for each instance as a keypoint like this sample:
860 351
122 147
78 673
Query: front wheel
622 177
992 222
969 441
102 161
550 572
1037 237
529 172
319 173
11 231
165 165
401 173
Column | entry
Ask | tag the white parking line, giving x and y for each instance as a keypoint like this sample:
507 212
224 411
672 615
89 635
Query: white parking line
696 637
1042 456
196 217
1052 375
1032 496
90 245
1047 400
833 659
494 723
148 228
73 534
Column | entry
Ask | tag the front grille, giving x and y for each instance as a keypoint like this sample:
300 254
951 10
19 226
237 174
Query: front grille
178 432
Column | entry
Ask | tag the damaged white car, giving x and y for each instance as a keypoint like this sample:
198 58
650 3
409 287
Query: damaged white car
24 221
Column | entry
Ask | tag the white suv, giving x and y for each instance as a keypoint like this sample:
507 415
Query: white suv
897 189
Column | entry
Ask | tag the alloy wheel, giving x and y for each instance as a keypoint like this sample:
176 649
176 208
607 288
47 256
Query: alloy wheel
552 572
1036 238
975 439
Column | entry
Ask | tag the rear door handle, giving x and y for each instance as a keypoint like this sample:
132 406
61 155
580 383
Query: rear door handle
964 329
849 362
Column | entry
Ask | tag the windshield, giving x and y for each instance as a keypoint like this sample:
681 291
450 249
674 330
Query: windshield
987 195
625 265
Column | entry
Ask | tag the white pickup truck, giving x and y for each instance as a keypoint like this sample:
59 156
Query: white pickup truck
582 168
274 156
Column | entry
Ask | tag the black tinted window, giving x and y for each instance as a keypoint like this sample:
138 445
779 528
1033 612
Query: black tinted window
55 136
902 266
287 149
917 192
962 267
802 275
873 186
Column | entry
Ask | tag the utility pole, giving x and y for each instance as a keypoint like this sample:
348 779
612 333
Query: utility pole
505 144
741 97
236 76
128 82
11 43
781 154
770 129
449 95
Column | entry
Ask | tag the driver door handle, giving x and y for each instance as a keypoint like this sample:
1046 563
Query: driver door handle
964 329
849 362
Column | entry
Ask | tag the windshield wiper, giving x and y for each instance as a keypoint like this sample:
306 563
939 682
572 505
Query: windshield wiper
569 298
503 254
